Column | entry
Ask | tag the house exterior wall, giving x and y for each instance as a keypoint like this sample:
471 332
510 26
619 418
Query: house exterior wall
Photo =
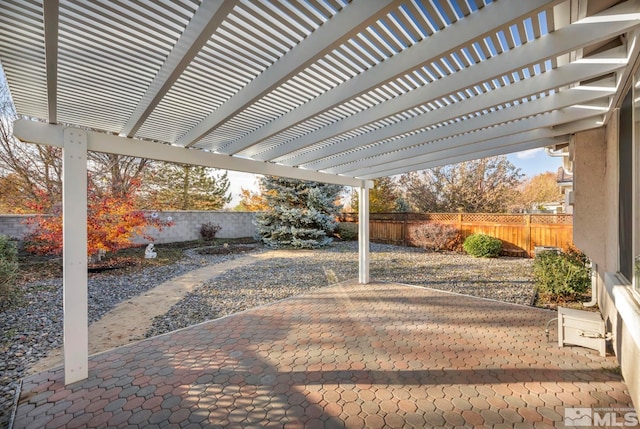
596 234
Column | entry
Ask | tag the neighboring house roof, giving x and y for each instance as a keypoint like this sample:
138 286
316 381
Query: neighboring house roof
563 177
327 89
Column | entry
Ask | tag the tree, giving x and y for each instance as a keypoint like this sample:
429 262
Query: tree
32 174
171 186
27 170
485 185
542 188
251 201
117 175
112 221
384 197
299 213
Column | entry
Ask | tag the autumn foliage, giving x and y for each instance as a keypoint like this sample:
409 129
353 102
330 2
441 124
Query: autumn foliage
112 221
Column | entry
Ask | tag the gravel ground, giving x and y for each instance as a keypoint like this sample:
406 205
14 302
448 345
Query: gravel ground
504 279
34 329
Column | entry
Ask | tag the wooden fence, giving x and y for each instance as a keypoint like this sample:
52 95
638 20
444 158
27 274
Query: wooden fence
520 233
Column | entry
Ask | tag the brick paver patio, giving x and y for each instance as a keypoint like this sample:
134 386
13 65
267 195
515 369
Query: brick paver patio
356 356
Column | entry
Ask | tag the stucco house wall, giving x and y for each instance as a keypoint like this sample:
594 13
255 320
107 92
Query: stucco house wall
596 233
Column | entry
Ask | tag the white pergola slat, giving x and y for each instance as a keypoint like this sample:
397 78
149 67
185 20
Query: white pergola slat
339 91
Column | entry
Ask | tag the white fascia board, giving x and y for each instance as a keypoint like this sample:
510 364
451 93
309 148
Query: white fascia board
199 30
317 44
564 40
438 45
52 135
512 120
552 79
463 158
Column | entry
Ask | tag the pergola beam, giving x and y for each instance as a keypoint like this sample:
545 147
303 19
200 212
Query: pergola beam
439 45
509 144
537 51
51 56
517 91
199 30
464 133
535 144
355 16
52 135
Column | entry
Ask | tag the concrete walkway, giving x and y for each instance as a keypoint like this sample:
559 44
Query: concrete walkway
377 355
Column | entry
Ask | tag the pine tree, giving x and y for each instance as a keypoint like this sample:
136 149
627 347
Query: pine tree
299 214
185 187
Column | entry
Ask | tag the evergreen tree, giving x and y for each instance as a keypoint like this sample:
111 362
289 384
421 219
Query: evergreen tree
185 187
299 213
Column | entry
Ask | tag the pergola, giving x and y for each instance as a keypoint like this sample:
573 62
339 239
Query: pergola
336 91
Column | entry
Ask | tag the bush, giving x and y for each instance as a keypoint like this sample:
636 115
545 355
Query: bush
209 230
8 270
347 231
482 246
562 275
435 236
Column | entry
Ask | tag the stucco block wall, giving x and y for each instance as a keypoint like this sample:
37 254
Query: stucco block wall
590 168
186 225
595 226
14 226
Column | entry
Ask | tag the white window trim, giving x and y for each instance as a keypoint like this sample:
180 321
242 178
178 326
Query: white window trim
626 303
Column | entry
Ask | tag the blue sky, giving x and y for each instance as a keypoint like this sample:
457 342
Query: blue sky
535 161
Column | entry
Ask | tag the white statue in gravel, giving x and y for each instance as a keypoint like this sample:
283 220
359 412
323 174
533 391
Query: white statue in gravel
150 252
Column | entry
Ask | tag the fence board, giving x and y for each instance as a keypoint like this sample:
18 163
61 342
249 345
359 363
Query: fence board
520 233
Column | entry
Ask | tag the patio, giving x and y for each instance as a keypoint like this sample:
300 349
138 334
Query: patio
350 355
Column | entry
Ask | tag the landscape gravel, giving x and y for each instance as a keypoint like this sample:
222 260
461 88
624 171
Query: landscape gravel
268 280
33 329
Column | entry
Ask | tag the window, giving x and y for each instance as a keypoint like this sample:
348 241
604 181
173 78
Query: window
625 187
636 181
629 185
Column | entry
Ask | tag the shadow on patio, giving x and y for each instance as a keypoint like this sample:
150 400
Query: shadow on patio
344 356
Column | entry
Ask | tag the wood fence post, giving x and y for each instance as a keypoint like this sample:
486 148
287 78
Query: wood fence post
404 229
527 232
460 225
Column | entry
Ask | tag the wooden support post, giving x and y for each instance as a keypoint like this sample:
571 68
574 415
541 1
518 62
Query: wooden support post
74 240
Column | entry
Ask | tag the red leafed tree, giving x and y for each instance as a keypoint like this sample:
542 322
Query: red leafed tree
112 221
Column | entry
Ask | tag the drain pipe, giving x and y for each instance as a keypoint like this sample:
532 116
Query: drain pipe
594 288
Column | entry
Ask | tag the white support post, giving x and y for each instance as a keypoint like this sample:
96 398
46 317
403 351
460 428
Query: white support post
74 239
363 235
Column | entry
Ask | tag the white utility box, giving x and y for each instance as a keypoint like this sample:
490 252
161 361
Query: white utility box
581 328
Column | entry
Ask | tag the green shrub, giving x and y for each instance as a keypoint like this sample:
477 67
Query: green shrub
482 246
562 275
8 270
347 231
